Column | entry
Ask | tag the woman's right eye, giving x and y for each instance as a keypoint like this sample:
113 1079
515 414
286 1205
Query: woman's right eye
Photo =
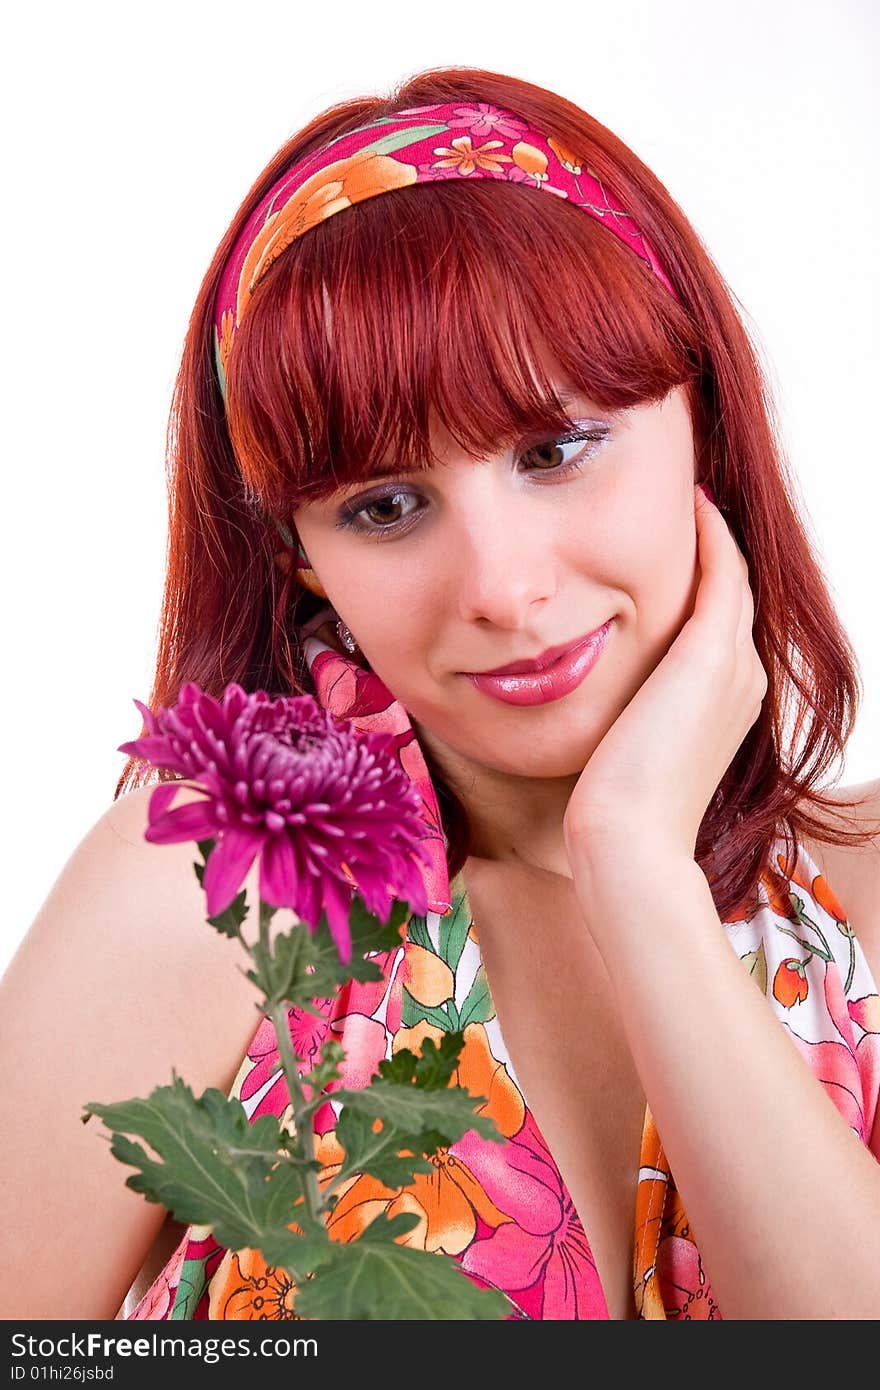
385 520
382 525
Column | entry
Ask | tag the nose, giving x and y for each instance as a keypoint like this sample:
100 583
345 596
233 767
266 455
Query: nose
503 552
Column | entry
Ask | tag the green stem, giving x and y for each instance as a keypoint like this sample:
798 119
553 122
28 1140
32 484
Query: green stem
267 912
309 1107
311 1190
807 945
810 923
302 1110
850 936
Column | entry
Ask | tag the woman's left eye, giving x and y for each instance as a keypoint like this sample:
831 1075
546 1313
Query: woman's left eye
554 462
553 446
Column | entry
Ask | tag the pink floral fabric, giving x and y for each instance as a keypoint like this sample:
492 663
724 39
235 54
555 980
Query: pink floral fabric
502 1211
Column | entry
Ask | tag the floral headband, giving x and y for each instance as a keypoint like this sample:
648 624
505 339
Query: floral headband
418 145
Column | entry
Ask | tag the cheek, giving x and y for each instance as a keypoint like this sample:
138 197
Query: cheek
646 549
395 619
666 573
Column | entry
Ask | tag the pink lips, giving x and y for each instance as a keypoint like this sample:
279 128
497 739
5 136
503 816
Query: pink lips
549 677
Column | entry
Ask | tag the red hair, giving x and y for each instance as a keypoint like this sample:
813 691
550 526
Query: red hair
440 294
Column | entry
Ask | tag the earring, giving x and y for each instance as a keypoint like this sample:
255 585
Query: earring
345 637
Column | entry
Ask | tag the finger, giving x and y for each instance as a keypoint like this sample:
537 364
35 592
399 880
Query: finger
729 551
725 587
719 600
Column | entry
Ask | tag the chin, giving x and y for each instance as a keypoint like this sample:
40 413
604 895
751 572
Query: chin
549 756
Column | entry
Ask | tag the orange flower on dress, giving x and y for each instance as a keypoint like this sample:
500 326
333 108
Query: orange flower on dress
445 1201
778 888
826 899
478 1071
426 975
669 1279
816 886
246 1288
450 1198
790 983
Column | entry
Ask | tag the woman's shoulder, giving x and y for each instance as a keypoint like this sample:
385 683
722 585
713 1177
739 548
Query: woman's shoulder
118 982
167 874
852 872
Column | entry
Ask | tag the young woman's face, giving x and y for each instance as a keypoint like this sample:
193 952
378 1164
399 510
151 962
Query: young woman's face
475 565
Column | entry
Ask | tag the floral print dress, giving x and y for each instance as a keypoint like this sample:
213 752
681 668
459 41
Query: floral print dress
503 1211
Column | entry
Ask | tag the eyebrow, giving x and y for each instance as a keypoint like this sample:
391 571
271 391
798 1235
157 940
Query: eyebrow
390 471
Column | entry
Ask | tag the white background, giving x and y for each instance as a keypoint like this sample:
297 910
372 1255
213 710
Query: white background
131 135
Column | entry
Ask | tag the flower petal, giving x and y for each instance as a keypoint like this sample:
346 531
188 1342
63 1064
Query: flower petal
279 874
571 1275
834 1065
365 1043
337 905
510 1257
194 821
518 1176
868 1061
866 1012
228 865
161 800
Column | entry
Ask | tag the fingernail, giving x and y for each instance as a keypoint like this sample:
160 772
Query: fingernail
705 488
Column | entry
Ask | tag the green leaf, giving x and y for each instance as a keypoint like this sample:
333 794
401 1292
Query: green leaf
393 1153
218 1169
413 1012
302 965
417 932
478 1006
327 1069
230 920
281 971
454 929
378 1154
368 933
756 964
373 1279
441 1117
385 1229
189 1289
400 139
433 1069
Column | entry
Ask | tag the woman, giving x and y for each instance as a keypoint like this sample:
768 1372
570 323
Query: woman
362 404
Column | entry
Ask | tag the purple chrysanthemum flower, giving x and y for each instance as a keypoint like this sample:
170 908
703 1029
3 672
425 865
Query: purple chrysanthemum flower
329 810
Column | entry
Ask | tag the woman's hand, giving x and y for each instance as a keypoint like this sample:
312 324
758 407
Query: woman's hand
660 764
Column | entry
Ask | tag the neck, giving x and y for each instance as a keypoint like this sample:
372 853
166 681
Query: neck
513 819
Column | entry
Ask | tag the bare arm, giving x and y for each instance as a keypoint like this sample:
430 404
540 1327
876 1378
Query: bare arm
751 1135
118 980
